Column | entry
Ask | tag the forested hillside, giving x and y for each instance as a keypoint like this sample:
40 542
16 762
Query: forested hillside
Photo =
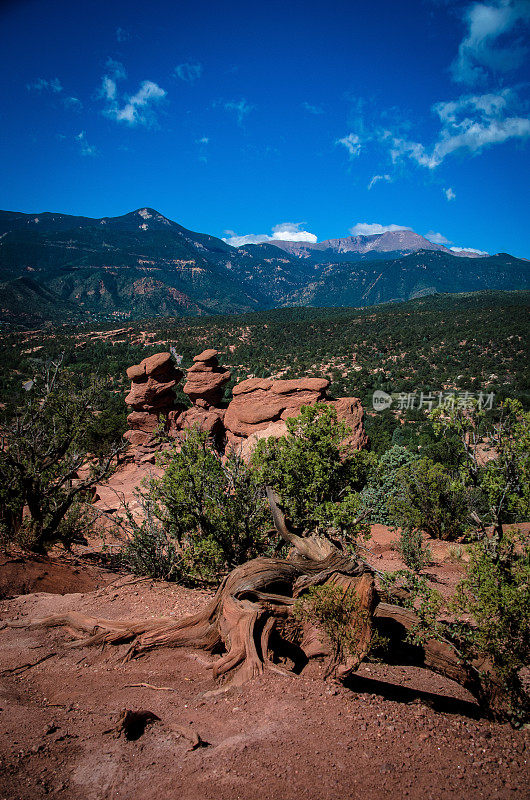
467 342
59 267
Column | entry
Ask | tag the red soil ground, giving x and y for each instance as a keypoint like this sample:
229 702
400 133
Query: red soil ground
394 732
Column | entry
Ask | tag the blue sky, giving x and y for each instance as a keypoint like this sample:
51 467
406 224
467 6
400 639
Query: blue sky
273 119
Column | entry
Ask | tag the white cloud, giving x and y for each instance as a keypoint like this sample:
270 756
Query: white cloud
84 147
251 238
42 85
372 228
312 109
284 232
352 143
202 140
290 232
485 106
469 250
377 178
73 102
188 72
241 109
450 193
470 123
436 238
116 72
122 35
480 51
134 109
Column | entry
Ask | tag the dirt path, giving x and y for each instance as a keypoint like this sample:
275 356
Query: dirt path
397 732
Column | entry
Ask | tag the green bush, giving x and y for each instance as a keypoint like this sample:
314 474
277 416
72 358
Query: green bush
209 510
383 484
337 612
319 481
498 490
496 593
151 549
43 447
426 499
414 553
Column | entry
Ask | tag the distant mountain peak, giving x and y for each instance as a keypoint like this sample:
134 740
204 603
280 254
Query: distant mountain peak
403 241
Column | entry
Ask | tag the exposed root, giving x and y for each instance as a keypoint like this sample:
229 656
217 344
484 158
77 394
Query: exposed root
249 623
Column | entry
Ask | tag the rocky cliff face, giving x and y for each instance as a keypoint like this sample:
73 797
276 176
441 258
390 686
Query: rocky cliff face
258 410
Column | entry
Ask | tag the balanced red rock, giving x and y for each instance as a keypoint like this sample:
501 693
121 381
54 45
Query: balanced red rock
206 379
153 381
152 395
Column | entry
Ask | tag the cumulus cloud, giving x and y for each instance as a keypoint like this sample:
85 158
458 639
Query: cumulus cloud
469 250
352 143
115 72
136 109
188 72
85 148
436 238
449 193
312 109
241 109
284 232
470 123
376 178
481 51
372 228
291 232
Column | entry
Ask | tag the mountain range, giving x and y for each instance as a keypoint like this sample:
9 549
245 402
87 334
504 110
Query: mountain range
57 266
377 245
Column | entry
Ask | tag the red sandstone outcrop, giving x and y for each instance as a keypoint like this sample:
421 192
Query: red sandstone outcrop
258 402
245 447
206 379
350 411
258 410
153 381
152 394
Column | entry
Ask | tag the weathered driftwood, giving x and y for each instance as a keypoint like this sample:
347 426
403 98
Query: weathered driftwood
249 622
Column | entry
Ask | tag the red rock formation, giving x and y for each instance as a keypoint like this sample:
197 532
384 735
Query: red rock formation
206 379
151 395
258 410
258 402
153 381
350 411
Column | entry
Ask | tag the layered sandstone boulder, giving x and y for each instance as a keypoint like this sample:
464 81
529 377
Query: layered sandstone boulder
206 379
258 402
153 382
350 411
152 394
245 447
206 418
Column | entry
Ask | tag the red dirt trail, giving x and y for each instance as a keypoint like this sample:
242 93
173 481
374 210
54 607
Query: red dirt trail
396 732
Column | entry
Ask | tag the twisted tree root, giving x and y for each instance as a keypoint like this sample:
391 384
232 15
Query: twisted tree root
249 622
